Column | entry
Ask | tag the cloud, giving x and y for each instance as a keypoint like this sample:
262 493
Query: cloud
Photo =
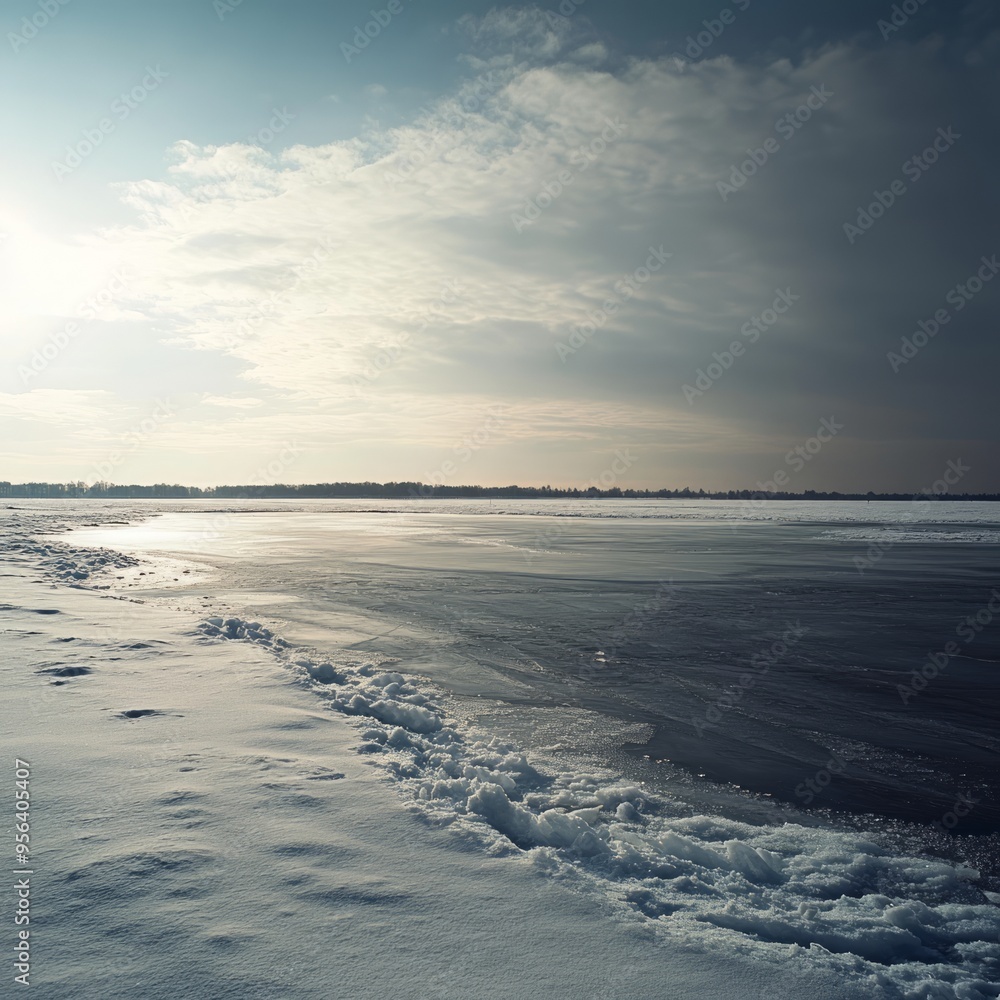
511 34
233 402
69 410
386 290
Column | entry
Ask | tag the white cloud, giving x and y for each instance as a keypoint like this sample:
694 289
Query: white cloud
233 402
381 293
82 413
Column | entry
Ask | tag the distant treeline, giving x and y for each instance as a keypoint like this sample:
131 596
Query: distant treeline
401 491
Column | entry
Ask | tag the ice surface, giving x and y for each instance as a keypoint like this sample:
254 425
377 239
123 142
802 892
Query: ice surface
754 651
783 897
897 534
235 846
904 923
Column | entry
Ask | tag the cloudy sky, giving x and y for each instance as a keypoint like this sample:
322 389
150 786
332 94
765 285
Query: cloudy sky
303 241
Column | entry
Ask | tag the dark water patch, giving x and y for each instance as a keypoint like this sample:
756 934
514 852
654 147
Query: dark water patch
70 671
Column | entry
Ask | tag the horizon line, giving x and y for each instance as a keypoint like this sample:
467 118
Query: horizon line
415 490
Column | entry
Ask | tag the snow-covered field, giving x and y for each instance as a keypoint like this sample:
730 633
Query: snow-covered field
220 811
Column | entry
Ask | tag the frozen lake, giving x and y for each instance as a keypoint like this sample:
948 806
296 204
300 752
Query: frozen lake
757 641
699 720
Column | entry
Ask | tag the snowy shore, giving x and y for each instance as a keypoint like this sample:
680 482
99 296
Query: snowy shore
218 813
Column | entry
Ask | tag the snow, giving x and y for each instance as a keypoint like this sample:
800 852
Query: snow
208 829
203 829
893 534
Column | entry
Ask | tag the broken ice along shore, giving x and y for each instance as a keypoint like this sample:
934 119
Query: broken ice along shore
884 922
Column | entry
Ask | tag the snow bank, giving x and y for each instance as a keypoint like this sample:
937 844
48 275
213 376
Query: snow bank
68 564
903 926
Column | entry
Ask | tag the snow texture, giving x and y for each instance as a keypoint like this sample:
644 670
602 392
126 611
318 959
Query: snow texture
885 923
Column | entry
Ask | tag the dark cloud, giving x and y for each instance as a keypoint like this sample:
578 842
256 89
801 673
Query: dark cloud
807 189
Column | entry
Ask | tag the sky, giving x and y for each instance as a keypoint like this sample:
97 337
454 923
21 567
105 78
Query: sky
634 244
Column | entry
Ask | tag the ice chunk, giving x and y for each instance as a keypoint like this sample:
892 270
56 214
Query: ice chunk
754 864
413 717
